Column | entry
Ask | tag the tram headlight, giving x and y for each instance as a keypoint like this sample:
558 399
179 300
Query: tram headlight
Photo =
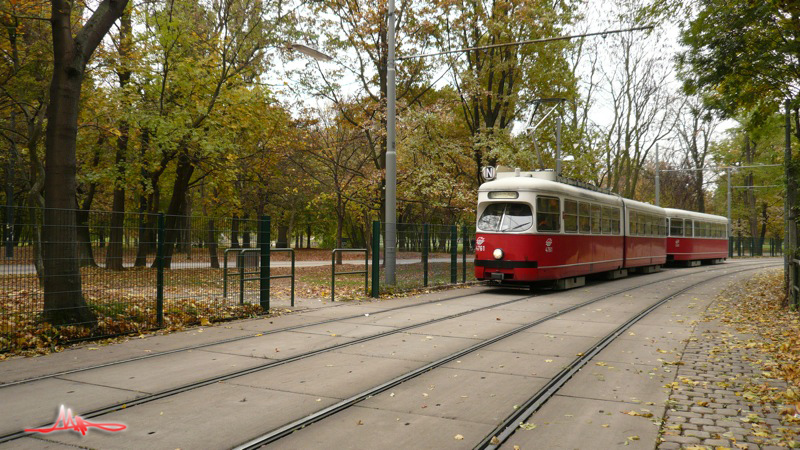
498 253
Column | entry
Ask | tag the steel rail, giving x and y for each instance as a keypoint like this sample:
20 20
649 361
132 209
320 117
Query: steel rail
509 426
224 341
342 405
219 378
228 340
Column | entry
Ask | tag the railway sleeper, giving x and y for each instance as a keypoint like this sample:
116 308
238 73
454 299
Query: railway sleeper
569 283
648 269
615 274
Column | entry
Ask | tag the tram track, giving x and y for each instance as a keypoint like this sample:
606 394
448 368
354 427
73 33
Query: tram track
542 395
511 423
225 341
237 339
199 384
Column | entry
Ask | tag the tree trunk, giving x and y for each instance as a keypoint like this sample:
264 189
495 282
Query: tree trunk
339 226
172 222
701 198
283 237
245 233
85 253
35 198
235 232
211 240
63 298
115 244
308 236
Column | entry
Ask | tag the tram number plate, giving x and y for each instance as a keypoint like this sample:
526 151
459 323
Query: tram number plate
497 275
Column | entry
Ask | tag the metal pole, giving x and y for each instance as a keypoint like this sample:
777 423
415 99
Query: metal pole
425 243
453 254
790 231
658 180
264 253
160 272
730 227
376 258
9 230
558 146
464 245
390 252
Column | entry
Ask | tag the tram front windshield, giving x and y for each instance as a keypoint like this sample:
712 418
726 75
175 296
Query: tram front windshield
506 217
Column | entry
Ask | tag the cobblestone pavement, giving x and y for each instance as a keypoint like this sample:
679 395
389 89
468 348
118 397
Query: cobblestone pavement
712 404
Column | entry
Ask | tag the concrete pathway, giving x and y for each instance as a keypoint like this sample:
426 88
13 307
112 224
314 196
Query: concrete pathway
28 269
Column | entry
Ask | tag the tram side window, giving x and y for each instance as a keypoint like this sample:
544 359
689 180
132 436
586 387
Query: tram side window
548 211
596 218
632 223
584 217
615 221
607 214
676 227
570 216
642 225
689 227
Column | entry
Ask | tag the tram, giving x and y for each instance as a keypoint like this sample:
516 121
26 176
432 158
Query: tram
534 226
696 237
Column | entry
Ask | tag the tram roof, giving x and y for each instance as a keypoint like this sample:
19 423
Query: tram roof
684 214
525 183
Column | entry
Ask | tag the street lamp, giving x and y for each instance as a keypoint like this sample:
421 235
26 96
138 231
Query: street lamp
308 51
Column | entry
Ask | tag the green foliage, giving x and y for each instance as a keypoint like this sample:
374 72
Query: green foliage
743 55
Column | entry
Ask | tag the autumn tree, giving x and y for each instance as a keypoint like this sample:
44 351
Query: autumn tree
495 84
749 71
695 128
63 298
25 70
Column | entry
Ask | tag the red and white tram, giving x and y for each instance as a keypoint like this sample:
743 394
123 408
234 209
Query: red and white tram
695 237
532 228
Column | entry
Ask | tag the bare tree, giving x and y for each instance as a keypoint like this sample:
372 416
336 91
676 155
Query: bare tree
695 129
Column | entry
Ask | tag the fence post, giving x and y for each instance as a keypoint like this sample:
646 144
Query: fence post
426 242
160 272
376 258
465 246
453 254
240 262
264 243
333 275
